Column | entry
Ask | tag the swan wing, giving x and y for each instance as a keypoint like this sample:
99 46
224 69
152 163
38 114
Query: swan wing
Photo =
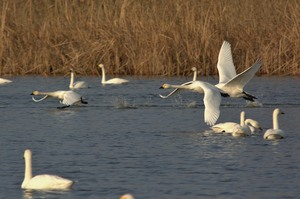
116 81
212 101
71 97
225 64
239 81
39 100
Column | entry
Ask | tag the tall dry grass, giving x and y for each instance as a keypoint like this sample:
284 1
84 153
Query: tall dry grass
152 37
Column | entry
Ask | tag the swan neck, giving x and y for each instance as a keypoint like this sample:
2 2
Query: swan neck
103 74
28 170
242 118
195 75
275 121
71 80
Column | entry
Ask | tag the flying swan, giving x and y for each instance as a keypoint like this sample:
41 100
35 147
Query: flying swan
111 81
276 132
77 84
229 81
4 81
68 98
42 182
212 98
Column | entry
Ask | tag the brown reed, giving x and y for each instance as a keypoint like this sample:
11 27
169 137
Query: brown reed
151 37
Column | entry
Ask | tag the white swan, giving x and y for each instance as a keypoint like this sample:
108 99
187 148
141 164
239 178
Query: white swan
230 127
4 81
127 196
42 182
77 84
212 98
276 132
243 129
229 81
68 98
111 81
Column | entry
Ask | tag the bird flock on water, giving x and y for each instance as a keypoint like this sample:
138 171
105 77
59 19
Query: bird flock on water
230 85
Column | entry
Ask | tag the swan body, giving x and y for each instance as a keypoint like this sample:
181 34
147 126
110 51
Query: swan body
127 196
4 81
111 81
212 98
226 127
68 98
229 81
276 132
42 182
77 84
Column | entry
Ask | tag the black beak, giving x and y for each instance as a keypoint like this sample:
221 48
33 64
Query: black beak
161 87
31 94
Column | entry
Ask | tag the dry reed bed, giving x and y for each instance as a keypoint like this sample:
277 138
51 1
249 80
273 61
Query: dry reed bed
152 37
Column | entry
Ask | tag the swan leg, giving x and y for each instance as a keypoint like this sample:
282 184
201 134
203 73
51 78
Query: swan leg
249 97
82 101
63 107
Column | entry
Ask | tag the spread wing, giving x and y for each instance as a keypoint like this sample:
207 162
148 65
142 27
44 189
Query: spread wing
225 64
212 101
243 78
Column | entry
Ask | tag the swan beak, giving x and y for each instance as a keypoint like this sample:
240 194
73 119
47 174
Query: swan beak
31 94
162 87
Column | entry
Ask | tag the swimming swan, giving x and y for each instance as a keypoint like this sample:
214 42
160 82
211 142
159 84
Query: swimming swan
229 81
42 182
276 132
111 81
77 84
127 196
243 129
212 98
230 127
68 98
4 81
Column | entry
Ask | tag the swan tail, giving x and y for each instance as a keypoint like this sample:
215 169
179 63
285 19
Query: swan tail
249 97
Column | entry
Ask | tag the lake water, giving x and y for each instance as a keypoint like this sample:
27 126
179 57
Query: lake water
127 139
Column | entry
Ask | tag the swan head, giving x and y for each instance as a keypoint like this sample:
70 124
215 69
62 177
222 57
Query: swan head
27 153
101 65
165 86
253 123
71 70
278 111
194 69
35 93
127 196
